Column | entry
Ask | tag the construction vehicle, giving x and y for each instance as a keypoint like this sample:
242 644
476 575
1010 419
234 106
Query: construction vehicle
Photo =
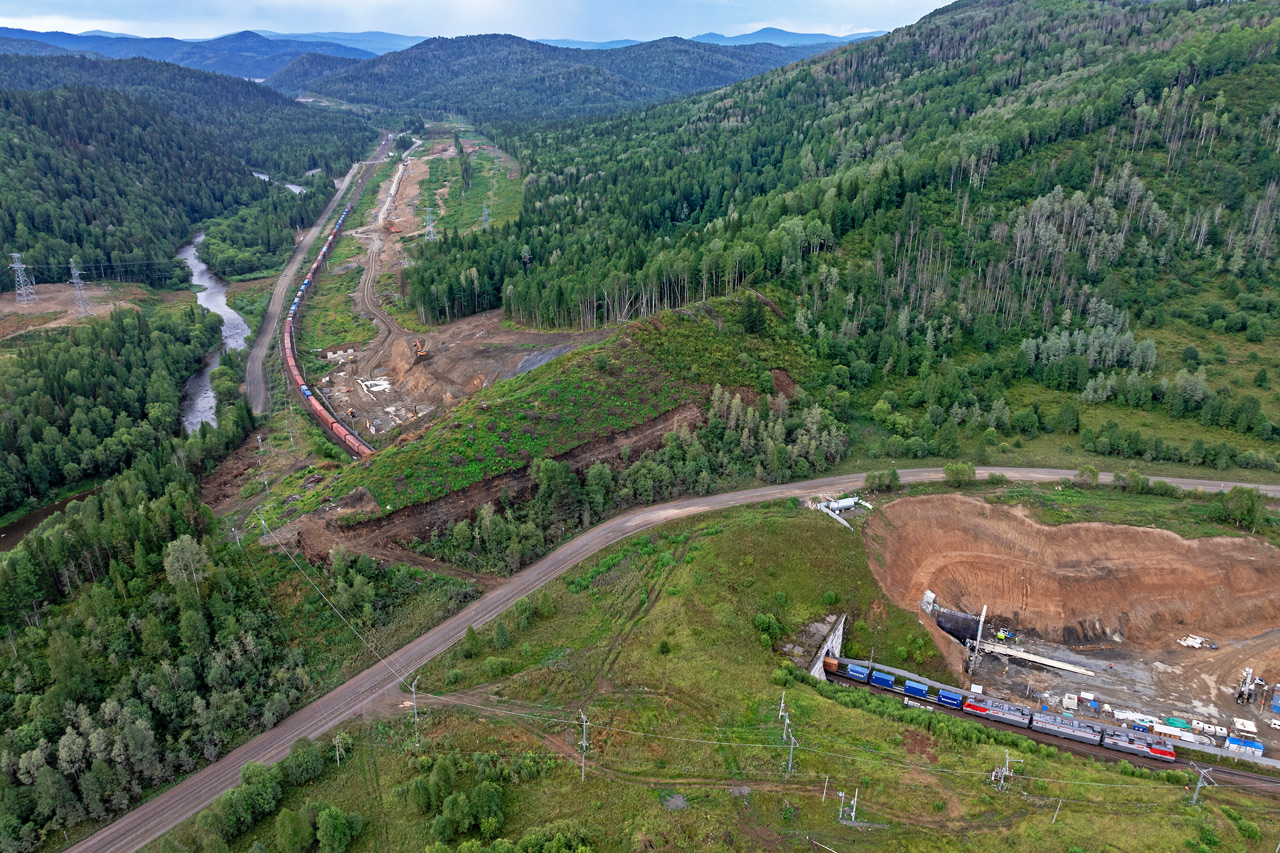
1244 692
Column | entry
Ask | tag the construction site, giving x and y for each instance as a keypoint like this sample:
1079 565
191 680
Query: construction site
1092 619
404 374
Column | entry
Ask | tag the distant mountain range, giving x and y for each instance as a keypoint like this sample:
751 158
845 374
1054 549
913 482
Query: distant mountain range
374 41
589 45
768 35
30 47
773 35
243 54
492 77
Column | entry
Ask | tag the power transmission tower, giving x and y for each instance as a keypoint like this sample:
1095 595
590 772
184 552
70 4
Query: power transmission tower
81 304
26 290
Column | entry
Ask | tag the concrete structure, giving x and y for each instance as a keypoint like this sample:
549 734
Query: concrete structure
816 641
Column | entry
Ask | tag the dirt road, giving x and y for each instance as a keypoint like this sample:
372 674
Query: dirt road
256 385
363 692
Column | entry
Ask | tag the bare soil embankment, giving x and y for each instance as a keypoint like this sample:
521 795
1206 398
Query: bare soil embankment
1075 583
318 532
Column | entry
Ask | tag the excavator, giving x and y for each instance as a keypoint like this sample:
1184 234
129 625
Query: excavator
420 351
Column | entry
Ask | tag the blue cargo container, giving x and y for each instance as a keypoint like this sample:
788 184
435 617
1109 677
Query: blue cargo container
881 679
918 690
950 698
859 673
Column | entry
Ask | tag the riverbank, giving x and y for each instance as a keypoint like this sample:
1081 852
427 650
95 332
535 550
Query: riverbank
199 403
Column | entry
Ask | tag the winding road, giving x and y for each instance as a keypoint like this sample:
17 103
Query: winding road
152 819
257 388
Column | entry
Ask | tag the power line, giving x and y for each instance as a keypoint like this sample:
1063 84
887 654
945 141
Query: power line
316 587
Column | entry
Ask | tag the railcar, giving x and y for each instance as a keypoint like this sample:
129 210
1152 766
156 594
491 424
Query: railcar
1067 727
994 709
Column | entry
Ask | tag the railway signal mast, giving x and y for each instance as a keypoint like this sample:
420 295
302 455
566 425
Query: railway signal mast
26 291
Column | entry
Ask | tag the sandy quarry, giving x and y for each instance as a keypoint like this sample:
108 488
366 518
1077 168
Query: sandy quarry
1110 598
1076 583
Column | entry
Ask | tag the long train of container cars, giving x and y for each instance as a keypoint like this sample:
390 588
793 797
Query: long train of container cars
1070 728
350 441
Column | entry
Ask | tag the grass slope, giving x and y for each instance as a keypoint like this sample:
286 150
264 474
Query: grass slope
698 718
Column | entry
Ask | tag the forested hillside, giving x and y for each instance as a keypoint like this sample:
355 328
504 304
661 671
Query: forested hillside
85 403
304 72
493 77
115 182
1004 197
260 236
242 54
260 126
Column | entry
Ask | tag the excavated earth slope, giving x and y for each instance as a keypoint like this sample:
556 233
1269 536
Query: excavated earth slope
1075 583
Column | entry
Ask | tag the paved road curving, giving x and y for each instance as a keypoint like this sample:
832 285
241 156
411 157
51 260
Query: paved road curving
257 388
152 819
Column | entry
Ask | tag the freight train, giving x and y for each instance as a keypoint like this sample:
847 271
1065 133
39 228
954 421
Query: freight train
350 441
1070 728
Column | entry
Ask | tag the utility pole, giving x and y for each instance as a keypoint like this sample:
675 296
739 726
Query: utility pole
853 811
791 753
26 291
977 643
414 688
1200 782
337 748
1007 762
840 814
584 745
81 303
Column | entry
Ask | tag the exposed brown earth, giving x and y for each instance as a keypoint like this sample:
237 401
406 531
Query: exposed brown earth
1076 583
56 305
388 384
319 532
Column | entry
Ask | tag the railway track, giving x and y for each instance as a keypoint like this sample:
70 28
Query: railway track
1110 756
257 389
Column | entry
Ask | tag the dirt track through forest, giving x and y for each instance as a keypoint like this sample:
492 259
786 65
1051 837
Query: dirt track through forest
152 819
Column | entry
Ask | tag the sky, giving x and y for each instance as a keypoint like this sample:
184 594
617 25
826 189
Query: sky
592 20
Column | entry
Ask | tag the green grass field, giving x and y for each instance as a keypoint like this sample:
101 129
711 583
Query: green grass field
657 641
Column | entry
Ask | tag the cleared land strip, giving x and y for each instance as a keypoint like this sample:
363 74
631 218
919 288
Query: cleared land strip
154 818
257 389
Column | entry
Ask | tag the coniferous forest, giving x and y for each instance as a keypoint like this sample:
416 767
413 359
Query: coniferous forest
114 182
1005 195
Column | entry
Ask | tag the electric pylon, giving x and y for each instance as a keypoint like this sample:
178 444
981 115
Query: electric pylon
82 306
26 290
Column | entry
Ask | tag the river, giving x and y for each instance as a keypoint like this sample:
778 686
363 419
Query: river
198 402
12 534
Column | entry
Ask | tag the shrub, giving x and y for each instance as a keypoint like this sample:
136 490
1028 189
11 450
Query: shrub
958 474
497 667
